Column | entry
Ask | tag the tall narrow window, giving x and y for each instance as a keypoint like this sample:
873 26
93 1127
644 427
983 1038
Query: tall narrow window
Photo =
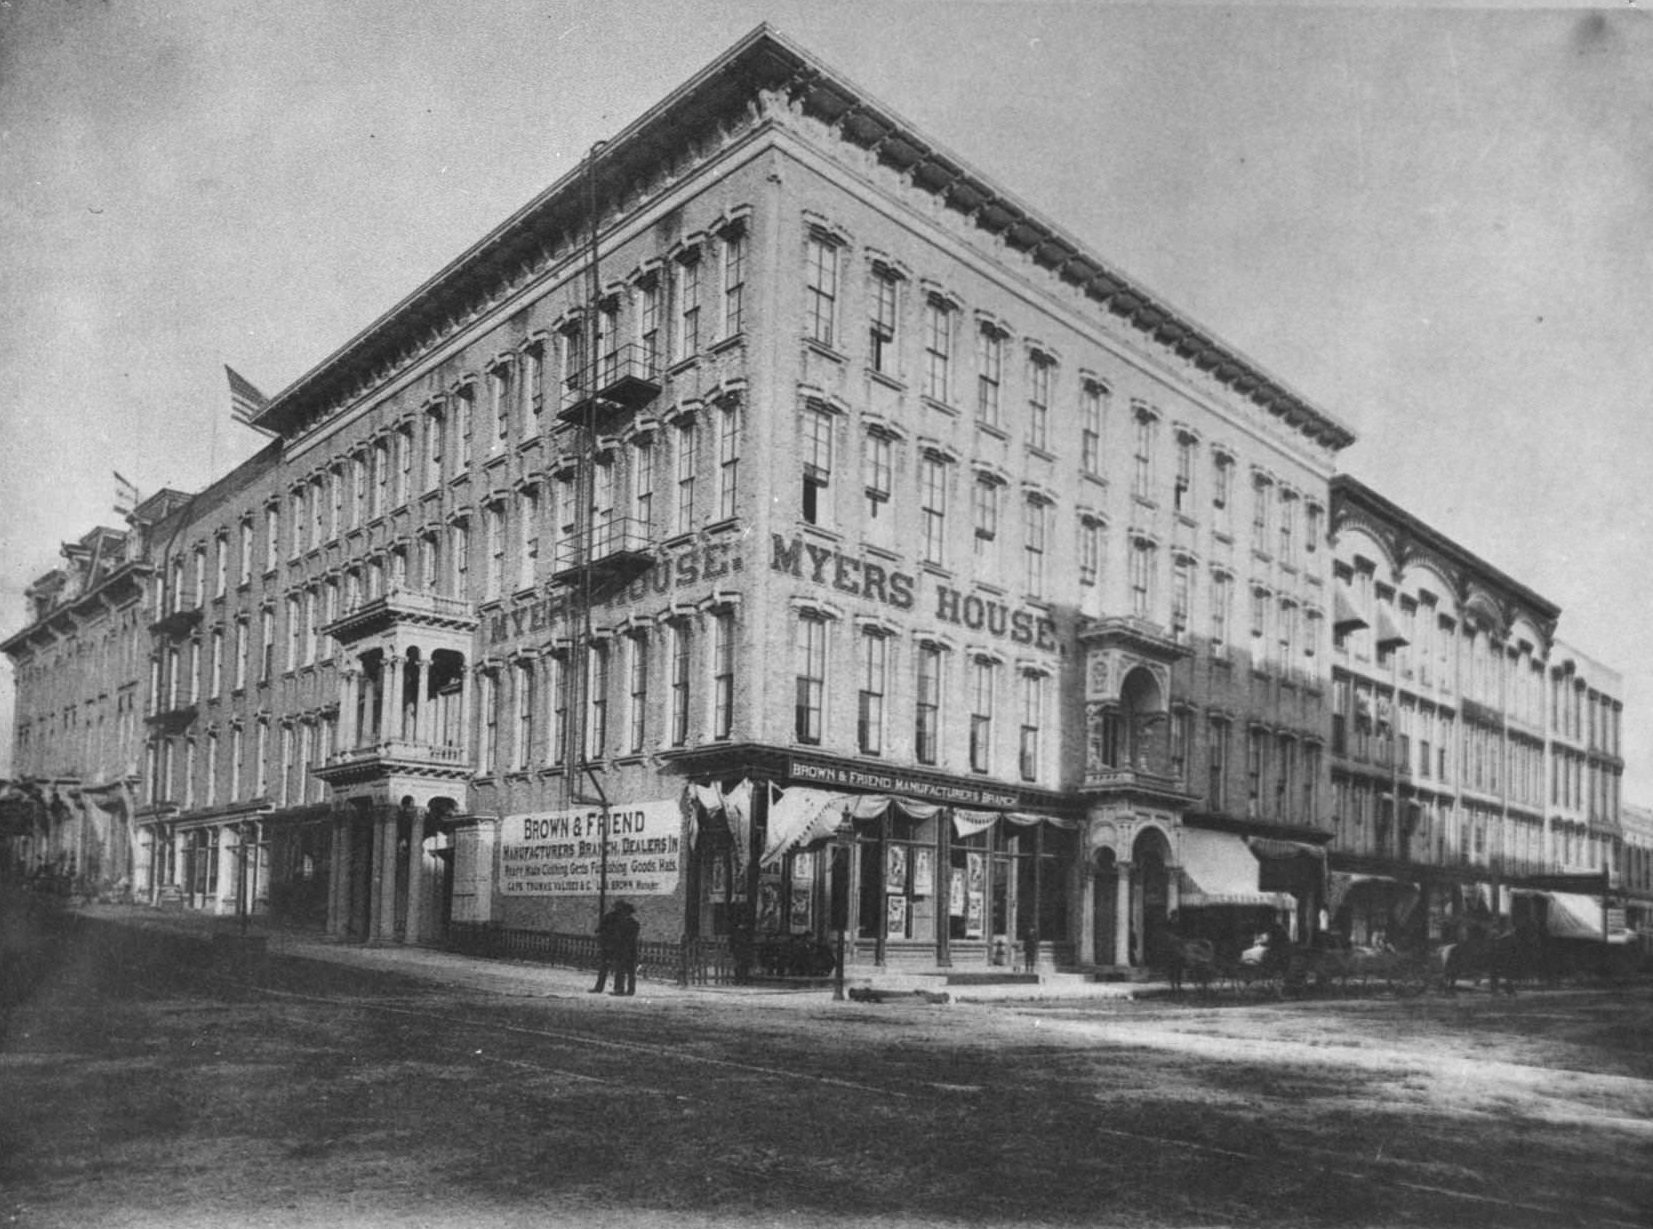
295 639
1090 551
637 689
310 625
688 304
1288 517
1182 583
1260 495
820 289
533 385
869 724
810 660
881 327
1035 527
261 761
1221 598
379 500
728 458
295 520
237 756
681 643
522 750
272 536
244 572
488 744
459 553
499 404
1183 495
1256 753
575 377
1222 493
1142 578
217 667
734 281
938 349
989 373
221 565
1033 687
434 428
981 714
556 737
1091 412
984 514
817 459
642 485
649 339
927 724
528 537
1180 722
596 728
464 405
1312 528
494 527
933 508
685 476
359 483
1216 763
211 792
879 471
723 674
1142 482
1039 367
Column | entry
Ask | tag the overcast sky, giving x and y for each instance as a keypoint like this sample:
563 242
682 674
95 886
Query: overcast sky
1437 224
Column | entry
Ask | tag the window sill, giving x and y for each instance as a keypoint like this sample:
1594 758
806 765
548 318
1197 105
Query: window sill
888 381
728 524
727 343
825 350
1086 475
677 539
1034 450
820 531
1142 501
941 407
682 366
993 429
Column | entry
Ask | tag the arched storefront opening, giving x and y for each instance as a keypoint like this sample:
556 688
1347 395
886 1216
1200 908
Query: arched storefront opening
1150 892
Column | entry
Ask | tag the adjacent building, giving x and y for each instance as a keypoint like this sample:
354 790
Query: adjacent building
1475 756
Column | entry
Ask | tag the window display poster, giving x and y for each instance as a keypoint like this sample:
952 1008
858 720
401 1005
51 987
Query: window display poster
896 913
803 868
799 918
769 908
955 892
895 869
720 879
978 871
924 872
973 912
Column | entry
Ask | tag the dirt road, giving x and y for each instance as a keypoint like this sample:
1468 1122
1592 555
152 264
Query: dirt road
164 1094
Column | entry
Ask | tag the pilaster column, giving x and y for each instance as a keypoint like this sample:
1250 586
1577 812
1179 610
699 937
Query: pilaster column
422 716
338 876
412 931
1087 915
467 688
348 682
1122 916
395 677
386 876
376 876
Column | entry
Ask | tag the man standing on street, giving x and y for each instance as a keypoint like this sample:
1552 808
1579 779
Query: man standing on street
608 929
626 930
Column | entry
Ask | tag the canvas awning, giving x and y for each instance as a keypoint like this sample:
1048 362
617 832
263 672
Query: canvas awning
1403 897
1388 635
1344 616
1571 916
1218 868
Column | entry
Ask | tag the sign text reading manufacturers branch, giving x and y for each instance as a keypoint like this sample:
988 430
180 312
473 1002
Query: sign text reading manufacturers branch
560 853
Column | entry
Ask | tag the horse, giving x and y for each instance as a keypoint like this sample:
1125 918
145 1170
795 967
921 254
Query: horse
1502 958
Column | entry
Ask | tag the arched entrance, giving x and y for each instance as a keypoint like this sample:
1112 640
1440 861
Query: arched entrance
1151 870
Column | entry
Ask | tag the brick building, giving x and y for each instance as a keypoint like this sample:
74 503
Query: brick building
783 490
1475 755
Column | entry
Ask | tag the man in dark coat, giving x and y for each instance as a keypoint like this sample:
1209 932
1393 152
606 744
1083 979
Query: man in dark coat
608 929
626 931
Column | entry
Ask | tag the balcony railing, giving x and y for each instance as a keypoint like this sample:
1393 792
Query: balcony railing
401 604
401 750
618 546
620 382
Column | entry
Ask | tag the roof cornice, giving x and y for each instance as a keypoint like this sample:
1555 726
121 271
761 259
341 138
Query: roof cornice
764 60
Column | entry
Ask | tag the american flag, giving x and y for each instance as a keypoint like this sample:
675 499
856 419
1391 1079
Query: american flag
245 400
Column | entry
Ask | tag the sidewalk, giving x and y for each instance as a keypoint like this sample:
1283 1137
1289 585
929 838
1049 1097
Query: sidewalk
530 979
